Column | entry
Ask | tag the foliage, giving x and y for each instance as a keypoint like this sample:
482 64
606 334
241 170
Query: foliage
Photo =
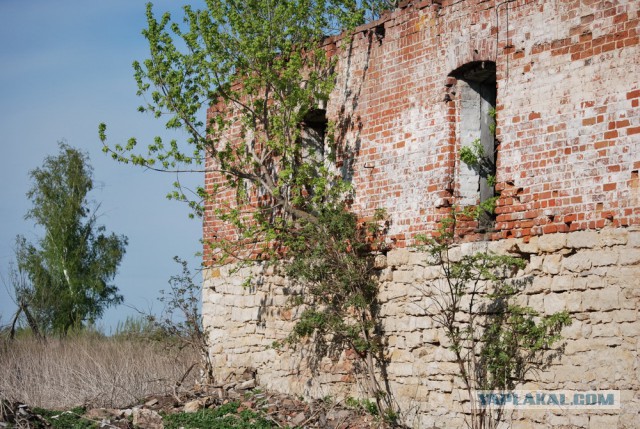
472 155
224 417
497 342
333 266
63 281
265 69
362 404
71 419
476 158
263 65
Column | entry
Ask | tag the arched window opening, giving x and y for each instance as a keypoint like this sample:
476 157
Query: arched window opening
477 91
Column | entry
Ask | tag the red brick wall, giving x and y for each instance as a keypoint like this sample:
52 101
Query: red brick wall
568 115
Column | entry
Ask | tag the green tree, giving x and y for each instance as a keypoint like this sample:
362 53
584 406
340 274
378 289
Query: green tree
497 342
67 273
262 63
265 67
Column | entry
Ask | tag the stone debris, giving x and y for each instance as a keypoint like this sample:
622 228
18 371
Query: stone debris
283 410
145 418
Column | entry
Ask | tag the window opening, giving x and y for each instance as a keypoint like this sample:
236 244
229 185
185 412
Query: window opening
314 129
477 87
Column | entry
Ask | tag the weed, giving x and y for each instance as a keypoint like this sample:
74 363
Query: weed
71 419
224 417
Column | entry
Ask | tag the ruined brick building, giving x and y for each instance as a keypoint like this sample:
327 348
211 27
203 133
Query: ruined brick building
551 90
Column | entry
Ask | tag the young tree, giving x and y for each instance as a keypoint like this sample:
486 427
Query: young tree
262 63
265 68
69 270
498 343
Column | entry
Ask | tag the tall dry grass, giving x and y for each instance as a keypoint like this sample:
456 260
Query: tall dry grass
89 370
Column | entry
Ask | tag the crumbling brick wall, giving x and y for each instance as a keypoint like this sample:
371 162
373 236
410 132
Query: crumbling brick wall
567 140
567 112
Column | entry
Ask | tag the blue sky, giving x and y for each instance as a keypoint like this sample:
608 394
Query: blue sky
65 66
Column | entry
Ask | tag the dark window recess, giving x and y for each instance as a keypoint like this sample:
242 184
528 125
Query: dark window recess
314 129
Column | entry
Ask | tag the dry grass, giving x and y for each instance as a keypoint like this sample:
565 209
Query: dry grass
88 370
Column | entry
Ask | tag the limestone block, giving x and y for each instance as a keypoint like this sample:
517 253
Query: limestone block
629 257
577 263
601 258
520 299
216 349
216 321
210 297
561 283
414 339
634 239
538 284
523 424
471 247
601 317
629 330
402 276
605 330
582 239
612 237
439 385
455 254
392 341
553 303
530 247
552 264
535 264
502 247
603 421
573 301
551 242
418 272
401 355
580 420
441 399
392 291
536 302
625 316
432 272
398 257
402 369
590 281
601 299
580 345
418 258
443 353
278 281
554 420
244 314
573 331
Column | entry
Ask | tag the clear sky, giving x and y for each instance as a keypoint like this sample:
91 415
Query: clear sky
65 66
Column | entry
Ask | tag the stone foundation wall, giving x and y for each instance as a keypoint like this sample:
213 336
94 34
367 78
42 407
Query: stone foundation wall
594 275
